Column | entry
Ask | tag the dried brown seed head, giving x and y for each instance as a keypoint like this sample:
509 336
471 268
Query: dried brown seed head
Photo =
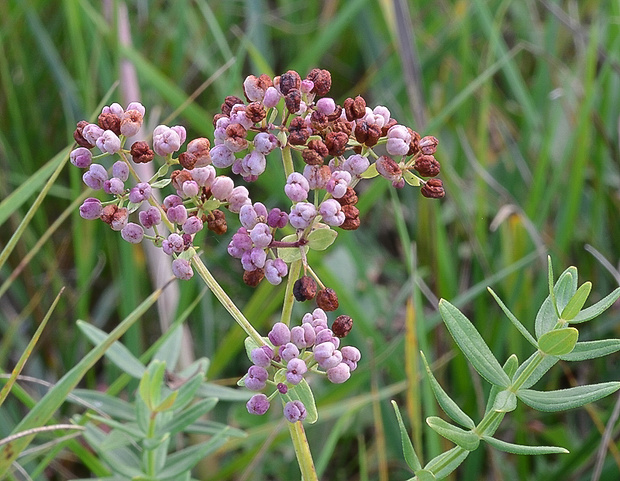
322 81
367 134
327 299
216 222
141 153
304 288
289 81
336 143
110 122
427 166
433 189
342 326
253 278
229 103
178 177
293 100
351 217
350 198
355 108
255 111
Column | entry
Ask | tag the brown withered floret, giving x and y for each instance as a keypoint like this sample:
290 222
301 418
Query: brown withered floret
253 278
293 100
349 198
342 326
315 153
318 121
322 81
433 189
388 168
298 132
427 166
367 134
414 144
217 117
391 123
355 108
428 145
255 111
187 160
341 125
304 288
336 114
178 177
216 222
141 153
336 143
108 212
229 102
79 138
110 122
236 134
351 217
327 299
289 81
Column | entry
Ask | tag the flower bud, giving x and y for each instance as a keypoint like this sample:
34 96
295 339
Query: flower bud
258 404
150 217
262 356
295 411
182 269
339 373
222 187
289 351
91 209
256 378
79 137
275 270
192 225
81 157
279 334
295 369
132 233
388 168
302 214
108 143
140 192
95 176
131 122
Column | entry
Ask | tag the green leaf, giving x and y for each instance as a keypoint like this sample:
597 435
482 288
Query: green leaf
472 344
170 349
520 449
291 254
440 468
128 428
565 287
597 309
212 428
466 439
558 341
447 404
424 475
118 354
411 458
102 402
547 363
133 206
188 391
549 311
509 367
520 327
144 389
163 170
546 318
563 399
167 403
250 345
187 458
321 239
592 349
505 401
370 172
411 178
160 184
157 370
576 302
185 418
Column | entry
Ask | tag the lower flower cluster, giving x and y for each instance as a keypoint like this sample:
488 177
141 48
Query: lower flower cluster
290 355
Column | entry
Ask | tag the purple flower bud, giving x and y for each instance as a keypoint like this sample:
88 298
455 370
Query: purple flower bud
190 188
339 373
165 140
262 356
181 132
282 388
222 156
172 201
272 97
382 115
131 121
240 243
289 351
120 170
316 318
306 86
114 186
238 116
95 176
254 163
177 214
248 216
222 187
256 378
302 214
295 411
132 233
265 142
295 370
331 211
253 259
279 334
252 89
204 176
296 187
91 209
327 355
337 185
81 157
174 243
150 217
120 219
238 198
261 235
137 106
140 192
317 176
91 133
398 138
182 269
326 105
277 218
192 225
108 143
303 336
326 335
351 356
356 164
258 404
114 108
275 270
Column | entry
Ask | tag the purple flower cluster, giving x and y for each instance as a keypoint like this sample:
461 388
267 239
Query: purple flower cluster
293 353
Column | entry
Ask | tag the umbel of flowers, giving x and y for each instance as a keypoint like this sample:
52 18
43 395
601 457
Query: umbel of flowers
326 150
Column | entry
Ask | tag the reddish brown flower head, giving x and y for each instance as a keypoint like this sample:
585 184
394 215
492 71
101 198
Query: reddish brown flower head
217 117
216 222
110 122
236 137
289 81
351 217
336 143
304 288
293 100
350 198
355 108
342 326
187 160
428 145
414 144
315 153
322 81
433 189
253 278
229 103
255 111
319 121
77 135
327 299
341 125
107 214
388 168
298 131
141 153
178 177
427 166
367 134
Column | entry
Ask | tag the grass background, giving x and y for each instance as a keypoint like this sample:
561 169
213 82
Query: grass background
524 98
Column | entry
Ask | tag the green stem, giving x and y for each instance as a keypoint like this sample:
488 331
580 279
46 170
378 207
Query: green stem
287 161
289 298
302 451
226 301
150 453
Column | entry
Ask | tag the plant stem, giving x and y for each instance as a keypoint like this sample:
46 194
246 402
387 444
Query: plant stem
302 451
150 454
289 298
287 161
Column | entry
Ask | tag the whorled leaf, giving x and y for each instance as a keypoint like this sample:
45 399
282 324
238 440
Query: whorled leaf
576 302
558 341
440 468
411 458
596 309
563 399
592 349
521 449
466 439
520 327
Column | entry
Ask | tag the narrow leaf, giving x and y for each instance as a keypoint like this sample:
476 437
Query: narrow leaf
424 475
520 449
472 344
127 428
509 367
187 458
547 363
411 178
563 399
565 287
187 417
104 403
447 404
465 439
411 458
558 341
592 349
505 402
576 302
447 462
546 318
520 327
597 309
